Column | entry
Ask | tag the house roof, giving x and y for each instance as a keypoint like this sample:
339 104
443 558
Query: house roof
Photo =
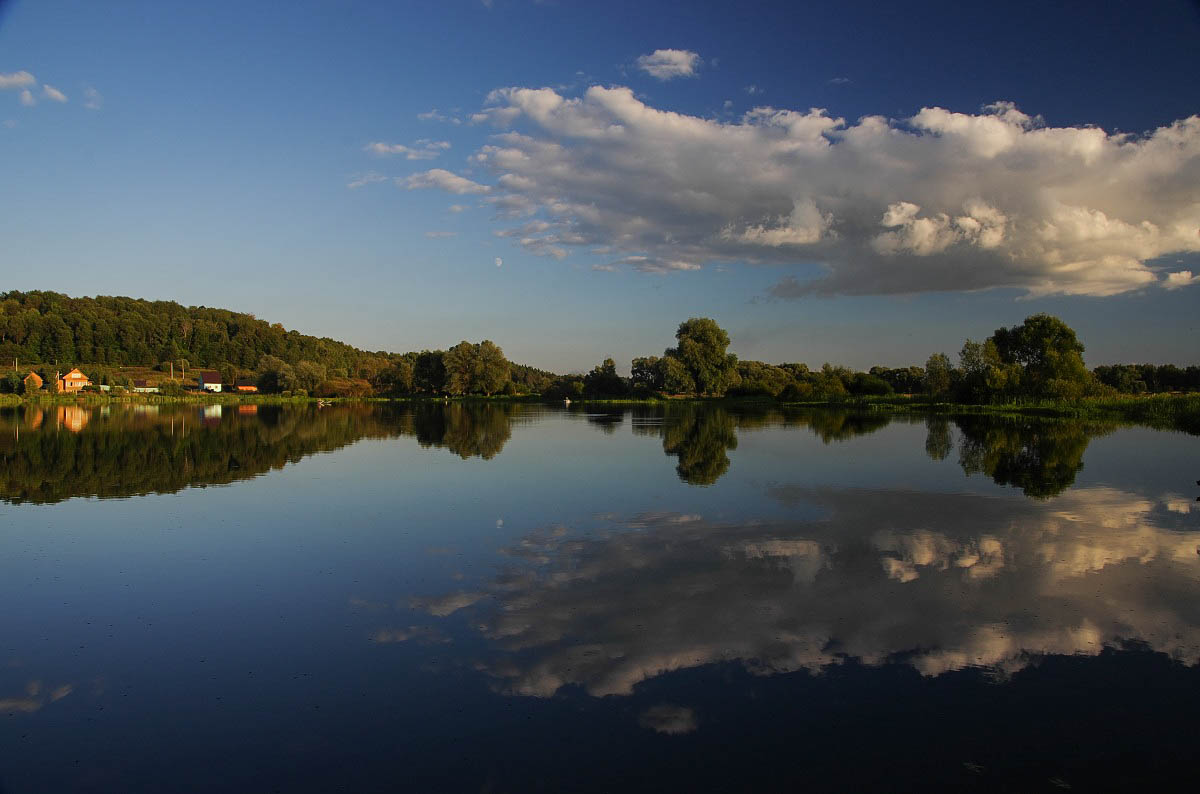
35 376
75 374
246 382
141 384
209 376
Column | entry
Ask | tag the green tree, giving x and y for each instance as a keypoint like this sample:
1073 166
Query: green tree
462 366
646 373
1049 355
938 373
429 372
701 349
493 369
309 376
604 380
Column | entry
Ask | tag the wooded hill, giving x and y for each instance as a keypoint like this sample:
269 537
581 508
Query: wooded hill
48 330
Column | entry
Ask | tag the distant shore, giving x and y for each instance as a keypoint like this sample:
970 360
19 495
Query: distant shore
1162 411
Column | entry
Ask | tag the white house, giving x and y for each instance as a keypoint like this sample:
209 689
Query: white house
210 380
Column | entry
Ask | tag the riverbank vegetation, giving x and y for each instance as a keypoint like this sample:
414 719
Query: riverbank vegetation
1034 367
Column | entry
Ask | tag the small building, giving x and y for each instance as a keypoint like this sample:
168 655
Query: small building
246 386
144 387
209 380
73 381
33 382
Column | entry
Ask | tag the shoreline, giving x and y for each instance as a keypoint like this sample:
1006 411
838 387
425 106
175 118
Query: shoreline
1161 411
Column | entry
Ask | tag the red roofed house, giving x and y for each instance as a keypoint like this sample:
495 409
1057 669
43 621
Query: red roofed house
246 385
73 381
210 380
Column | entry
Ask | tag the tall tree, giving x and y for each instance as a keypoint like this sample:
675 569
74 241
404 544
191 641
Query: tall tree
937 375
701 349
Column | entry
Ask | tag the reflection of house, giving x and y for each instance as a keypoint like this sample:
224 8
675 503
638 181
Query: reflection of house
144 387
247 410
33 382
73 381
246 386
210 380
211 414
72 417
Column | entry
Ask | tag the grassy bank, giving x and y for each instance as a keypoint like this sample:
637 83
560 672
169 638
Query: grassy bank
1163 411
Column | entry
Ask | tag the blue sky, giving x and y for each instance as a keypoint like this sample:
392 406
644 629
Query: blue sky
631 164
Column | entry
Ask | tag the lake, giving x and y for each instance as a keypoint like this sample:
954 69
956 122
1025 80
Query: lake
473 597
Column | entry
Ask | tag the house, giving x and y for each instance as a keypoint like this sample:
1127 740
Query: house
246 386
144 387
210 380
73 381
33 382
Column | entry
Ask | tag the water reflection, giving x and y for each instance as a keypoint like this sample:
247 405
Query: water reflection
50 454
887 577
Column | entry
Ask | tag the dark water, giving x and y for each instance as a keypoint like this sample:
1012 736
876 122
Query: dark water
509 598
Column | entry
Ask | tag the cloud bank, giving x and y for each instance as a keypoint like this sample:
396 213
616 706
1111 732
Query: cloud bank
938 201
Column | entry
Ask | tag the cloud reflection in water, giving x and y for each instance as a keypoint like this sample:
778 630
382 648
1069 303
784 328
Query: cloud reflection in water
935 581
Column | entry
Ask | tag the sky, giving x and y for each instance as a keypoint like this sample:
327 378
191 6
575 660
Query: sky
839 182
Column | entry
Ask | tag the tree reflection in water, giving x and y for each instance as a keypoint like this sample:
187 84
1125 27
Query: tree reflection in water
49 455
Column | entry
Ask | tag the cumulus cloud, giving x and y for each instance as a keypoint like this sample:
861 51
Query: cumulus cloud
27 98
1179 279
421 150
20 79
442 180
938 201
50 92
669 64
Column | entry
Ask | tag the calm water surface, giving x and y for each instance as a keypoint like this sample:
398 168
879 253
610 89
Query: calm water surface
511 598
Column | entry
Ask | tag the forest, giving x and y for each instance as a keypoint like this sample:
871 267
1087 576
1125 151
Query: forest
110 337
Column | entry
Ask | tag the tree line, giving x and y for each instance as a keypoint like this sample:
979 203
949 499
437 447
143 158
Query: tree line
49 332
1040 359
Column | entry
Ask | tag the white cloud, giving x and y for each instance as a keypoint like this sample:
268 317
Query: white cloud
50 92
423 149
840 81
669 64
443 180
10 123
20 79
457 207
27 98
440 235
92 99
1180 279
938 201
436 115
499 262
753 90
366 179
